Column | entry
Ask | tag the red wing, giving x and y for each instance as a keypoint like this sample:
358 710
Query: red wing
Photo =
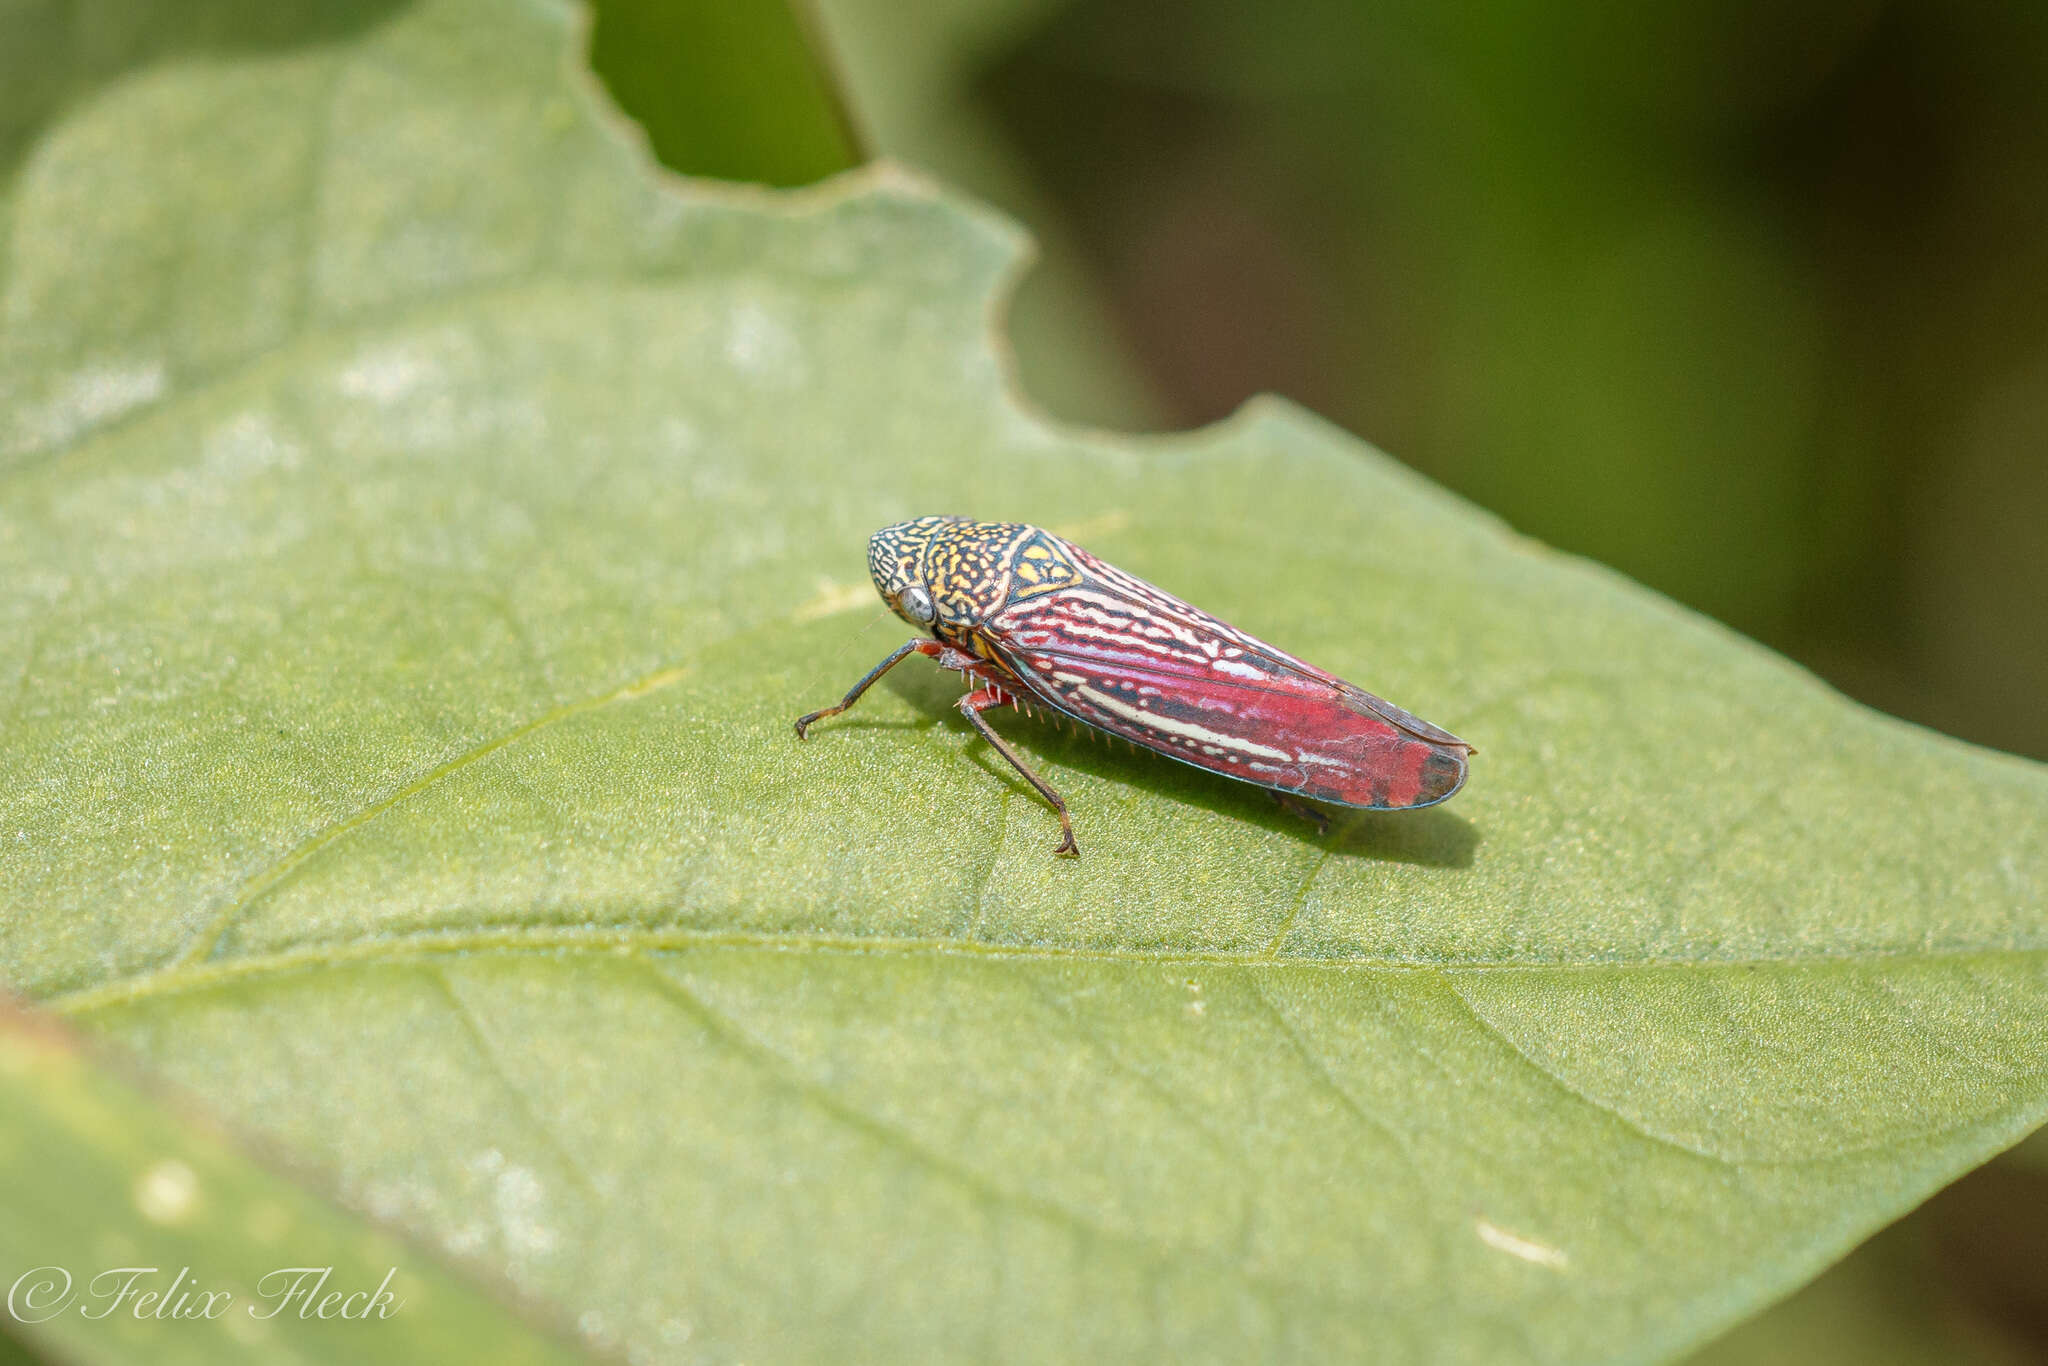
1116 653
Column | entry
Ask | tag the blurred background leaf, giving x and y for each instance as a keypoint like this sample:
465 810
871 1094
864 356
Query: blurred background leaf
97 1174
730 89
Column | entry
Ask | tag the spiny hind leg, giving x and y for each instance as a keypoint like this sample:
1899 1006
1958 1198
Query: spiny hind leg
972 706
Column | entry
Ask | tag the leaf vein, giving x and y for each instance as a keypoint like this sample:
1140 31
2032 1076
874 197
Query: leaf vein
784 1071
262 884
487 1049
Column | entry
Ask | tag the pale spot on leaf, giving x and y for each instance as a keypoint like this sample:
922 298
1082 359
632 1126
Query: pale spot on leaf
1541 1254
167 1192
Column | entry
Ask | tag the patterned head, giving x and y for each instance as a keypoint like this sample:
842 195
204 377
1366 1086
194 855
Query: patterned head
944 574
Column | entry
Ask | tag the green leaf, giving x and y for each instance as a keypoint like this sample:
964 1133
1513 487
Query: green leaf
730 88
128 1232
420 524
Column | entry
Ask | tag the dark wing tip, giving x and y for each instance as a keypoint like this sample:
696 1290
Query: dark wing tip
1443 773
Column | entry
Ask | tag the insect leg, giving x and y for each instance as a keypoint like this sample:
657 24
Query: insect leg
1289 802
909 647
971 707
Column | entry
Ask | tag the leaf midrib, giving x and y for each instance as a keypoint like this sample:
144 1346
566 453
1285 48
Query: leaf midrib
195 963
544 939
194 968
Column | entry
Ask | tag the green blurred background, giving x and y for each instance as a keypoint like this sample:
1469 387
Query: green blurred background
1748 300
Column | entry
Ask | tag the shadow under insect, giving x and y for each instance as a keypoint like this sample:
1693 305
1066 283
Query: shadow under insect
1432 837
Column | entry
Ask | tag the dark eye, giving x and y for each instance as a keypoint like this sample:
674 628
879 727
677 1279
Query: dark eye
917 605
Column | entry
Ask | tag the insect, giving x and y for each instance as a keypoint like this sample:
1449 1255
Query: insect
1034 619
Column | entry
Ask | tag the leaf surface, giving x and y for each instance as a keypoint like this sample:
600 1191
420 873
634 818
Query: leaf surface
420 522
